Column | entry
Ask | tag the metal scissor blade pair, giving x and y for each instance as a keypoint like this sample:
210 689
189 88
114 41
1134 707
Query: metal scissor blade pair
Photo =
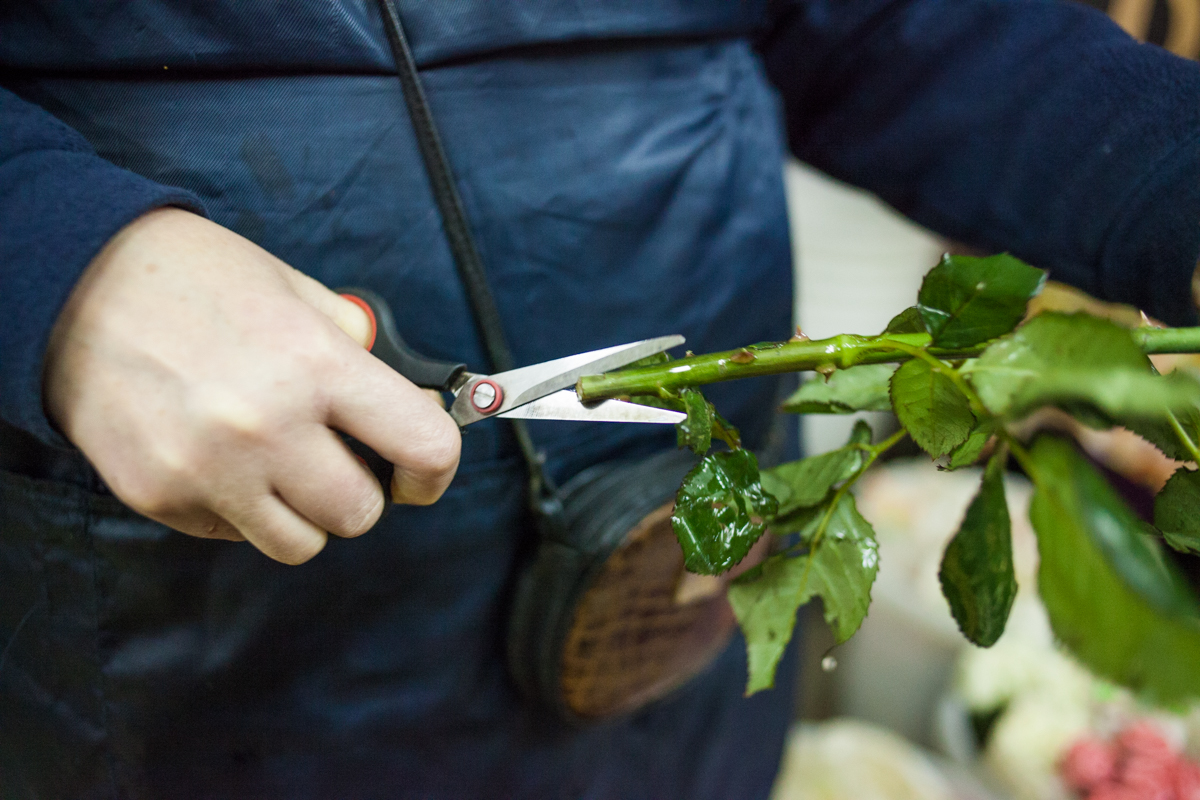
481 397
565 405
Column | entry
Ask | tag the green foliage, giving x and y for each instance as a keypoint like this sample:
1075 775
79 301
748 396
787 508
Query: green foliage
696 430
969 451
721 510
967 300
1119 394
726 432
840 569
931 407
844 564
702 423
766 611
1163 435
1111 598
907 321
861 388
805 483
1177 511
802 521
1087 365
977 569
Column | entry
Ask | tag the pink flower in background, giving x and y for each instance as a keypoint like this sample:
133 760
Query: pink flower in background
1089 764
1138 764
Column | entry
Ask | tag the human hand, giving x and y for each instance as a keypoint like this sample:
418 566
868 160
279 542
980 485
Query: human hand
205 380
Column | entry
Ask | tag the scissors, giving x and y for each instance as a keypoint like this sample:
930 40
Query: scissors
539 391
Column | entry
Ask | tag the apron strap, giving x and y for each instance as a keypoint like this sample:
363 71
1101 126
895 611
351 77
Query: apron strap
460 238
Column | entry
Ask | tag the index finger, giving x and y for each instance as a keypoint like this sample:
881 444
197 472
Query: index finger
399 421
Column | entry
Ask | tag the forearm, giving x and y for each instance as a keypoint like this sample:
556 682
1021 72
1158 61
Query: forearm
1034 127
59 204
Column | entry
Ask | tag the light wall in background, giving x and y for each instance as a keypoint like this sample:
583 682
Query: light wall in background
858 263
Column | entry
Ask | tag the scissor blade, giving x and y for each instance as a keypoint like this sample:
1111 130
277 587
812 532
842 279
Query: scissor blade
564 405
524 385
538 380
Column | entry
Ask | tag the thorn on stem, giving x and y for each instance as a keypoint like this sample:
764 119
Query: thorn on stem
1149 323
742 356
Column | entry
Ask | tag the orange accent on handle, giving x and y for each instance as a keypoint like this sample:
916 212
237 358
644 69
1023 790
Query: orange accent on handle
358 301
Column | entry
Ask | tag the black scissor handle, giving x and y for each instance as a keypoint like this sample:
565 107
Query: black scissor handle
389 347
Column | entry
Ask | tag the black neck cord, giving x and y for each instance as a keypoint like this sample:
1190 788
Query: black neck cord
458 233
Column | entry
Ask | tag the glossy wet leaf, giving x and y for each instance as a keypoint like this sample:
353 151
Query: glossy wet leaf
977 568
721 510
804 483
1075 361
1112 599
969 451
907 321
861 388
840 571
845 562
695 431
1177 511
930 407
766 611
967 300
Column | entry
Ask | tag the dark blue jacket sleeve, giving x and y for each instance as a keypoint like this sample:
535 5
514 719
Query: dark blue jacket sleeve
59 204
1032 126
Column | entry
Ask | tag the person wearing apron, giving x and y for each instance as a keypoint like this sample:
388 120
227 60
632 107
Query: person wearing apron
620 165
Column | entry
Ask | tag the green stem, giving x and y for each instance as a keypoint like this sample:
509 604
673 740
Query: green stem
873 453
1186 440
726 433
819 533
1167 340
1020 453
836 352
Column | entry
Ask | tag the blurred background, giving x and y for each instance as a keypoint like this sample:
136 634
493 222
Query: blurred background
907 708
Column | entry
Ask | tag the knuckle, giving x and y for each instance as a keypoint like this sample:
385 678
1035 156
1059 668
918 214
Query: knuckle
145 494
164 479
316 350
226 413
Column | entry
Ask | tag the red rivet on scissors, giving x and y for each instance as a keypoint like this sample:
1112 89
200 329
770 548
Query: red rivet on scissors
486 396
